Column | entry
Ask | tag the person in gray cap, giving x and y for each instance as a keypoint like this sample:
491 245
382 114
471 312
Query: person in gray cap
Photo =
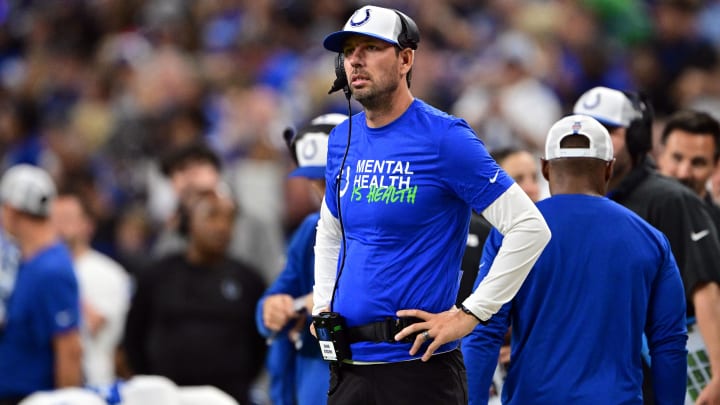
401 180
40 345
578 319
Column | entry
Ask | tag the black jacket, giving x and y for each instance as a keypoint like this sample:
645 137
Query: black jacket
682 216
196 325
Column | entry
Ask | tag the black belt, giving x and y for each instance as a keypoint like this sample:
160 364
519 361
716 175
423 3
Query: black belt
382 331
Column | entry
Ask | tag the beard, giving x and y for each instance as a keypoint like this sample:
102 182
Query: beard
378 95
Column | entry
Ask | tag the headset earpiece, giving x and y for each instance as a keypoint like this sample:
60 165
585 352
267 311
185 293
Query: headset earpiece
340 77
409 35
639 134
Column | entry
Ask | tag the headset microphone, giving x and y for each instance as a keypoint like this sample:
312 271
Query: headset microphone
341 82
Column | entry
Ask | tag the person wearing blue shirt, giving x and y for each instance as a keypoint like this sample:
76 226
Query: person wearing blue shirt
298 374
606 277
40 342
402 178
675 210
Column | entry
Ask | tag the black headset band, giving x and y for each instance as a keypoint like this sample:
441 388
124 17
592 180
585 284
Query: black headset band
409 35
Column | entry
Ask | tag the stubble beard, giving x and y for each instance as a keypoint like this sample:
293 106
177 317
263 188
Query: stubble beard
376 99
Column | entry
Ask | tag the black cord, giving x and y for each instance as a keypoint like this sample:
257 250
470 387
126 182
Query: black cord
338 182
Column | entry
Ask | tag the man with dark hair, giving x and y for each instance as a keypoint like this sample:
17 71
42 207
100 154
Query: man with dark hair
667 205
196 168
578 320
402 178
690 149
192 316
189 155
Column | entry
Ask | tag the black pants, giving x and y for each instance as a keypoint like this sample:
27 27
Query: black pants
442 381
10 401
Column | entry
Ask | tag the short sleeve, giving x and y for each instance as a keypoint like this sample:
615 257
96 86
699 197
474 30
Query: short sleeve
468 169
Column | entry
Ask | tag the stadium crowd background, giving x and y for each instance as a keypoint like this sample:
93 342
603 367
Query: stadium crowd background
97 91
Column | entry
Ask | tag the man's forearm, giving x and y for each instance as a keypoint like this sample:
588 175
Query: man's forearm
327 250
68 359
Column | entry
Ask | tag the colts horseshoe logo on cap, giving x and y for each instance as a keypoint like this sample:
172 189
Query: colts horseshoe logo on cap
361 22
309 149
590 105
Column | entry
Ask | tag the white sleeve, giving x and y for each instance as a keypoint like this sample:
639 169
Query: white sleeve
525 236
327 251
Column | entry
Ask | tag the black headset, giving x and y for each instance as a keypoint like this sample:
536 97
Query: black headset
639 133
291 136
409 37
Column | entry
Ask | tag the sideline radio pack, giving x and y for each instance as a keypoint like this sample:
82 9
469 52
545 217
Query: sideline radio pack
332 336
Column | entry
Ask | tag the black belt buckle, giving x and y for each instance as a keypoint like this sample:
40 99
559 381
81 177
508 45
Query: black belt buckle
402 323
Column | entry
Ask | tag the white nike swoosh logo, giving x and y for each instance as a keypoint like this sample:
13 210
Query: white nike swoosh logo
696 236
494 178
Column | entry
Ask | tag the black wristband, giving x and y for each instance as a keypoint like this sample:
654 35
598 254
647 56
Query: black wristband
469 312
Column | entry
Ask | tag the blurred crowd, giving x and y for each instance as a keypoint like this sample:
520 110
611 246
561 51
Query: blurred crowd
101 92
97 91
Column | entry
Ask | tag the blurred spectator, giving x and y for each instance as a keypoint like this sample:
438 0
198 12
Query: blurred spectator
674 65
192 316
104 289
581 54
504 108
40 345
196 168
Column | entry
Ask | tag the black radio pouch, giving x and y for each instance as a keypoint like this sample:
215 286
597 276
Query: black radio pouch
332 335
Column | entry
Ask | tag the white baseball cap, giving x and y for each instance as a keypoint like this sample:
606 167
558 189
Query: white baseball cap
377 22
310 145
28 188
600 143
610 107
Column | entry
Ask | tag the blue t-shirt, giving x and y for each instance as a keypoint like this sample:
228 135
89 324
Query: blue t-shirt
406 194
296 376
606 277
45 303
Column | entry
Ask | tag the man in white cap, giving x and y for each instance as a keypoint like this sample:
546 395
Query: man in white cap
402 178
40 345
604 278
670 207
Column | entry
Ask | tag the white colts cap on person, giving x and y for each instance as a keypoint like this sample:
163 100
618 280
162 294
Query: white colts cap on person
378 22
28 188
610 107
309 146
600 143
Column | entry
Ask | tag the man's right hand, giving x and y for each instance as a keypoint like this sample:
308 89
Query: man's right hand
312 325
277 311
